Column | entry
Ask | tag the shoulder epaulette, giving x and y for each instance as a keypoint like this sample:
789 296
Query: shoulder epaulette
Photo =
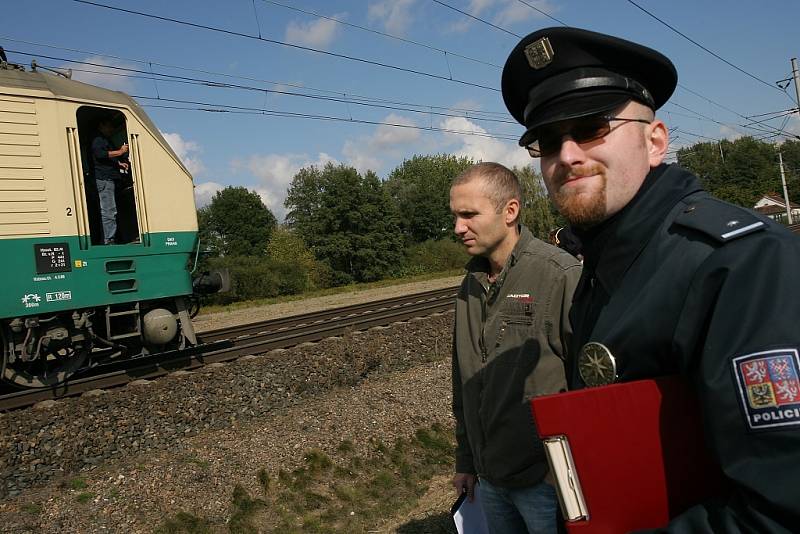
717 219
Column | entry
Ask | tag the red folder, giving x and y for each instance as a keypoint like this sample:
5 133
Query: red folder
638 457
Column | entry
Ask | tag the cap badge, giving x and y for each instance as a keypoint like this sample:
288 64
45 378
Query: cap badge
596 365
539 53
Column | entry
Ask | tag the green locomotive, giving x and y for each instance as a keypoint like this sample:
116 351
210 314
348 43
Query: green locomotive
68 300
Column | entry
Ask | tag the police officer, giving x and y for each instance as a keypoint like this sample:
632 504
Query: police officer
674 280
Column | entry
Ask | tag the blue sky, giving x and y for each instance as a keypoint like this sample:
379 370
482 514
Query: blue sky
262 152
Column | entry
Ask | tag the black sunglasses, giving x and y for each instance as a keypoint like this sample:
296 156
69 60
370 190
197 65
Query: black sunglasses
583 130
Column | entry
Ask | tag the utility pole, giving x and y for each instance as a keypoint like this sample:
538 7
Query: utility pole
796 75
785 191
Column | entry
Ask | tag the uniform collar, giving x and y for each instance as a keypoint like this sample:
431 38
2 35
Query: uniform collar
610 248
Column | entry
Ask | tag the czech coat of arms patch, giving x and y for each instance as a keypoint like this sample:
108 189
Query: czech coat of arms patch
769 388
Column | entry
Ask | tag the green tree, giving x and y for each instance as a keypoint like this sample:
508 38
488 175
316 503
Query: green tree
537 212
348 221
287 247
235 223
420 188
739 171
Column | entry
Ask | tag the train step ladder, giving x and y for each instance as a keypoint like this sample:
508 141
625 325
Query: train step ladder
123 321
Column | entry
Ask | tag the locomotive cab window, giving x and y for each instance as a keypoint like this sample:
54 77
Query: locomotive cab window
108 176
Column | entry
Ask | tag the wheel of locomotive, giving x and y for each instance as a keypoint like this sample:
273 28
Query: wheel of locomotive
52 369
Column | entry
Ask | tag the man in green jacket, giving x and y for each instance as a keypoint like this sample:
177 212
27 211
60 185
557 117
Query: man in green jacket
511 331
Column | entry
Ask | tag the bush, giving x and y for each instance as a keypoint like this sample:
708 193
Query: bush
287 247
258 277
435 256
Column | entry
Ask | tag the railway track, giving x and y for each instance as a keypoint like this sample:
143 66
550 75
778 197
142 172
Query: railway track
228 344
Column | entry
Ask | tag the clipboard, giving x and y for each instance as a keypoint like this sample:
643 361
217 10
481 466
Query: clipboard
627 456
468 516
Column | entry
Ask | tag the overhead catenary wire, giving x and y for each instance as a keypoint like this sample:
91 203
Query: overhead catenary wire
751 125
232 76
777 132
787 114
729 109
495 26
753 76
780 112
546 14
141 74
704 117
343 99
290 45
227 108
423 109
479 115
357 59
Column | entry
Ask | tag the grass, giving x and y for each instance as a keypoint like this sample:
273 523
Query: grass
215 308
350 492
244 508
76 483
84 497
263 480
195 461
184 523
32 508
325 496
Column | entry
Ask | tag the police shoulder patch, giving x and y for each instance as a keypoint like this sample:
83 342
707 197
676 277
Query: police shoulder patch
769 388
722 221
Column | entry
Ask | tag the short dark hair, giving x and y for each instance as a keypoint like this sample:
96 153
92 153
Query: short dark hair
500 182
104 120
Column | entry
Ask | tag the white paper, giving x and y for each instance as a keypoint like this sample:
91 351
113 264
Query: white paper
469 517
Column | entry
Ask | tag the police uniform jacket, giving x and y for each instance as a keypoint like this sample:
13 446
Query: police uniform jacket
509 345
680 282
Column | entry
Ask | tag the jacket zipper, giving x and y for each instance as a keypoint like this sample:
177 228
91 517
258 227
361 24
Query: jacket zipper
484 354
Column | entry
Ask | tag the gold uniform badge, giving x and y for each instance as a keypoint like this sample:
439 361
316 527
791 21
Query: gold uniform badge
539 53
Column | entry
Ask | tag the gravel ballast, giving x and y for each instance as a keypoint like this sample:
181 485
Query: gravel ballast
181 442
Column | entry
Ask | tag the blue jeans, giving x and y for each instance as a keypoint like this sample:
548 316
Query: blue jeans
529 510
108 209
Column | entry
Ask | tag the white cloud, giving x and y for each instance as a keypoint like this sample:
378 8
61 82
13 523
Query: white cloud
394 15
204 192
365 152
476 7
316 33
514 12
460 26
187 151
506 13
729 133
463 23
108 78
275 173
476 147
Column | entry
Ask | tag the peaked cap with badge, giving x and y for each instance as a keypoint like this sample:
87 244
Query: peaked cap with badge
556 74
